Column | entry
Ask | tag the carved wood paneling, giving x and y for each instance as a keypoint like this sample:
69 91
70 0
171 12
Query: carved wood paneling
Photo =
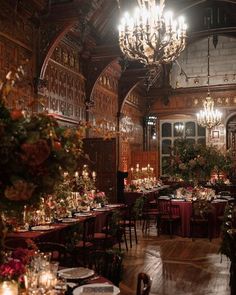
102 154
132 138
18 29
105 99
11 54
65 84
192 102
144 158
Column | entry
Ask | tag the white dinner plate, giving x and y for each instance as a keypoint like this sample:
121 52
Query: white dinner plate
21 230
42 227
65 220
101 209
76 273
113 205
219 201
82 214
97 289
164 198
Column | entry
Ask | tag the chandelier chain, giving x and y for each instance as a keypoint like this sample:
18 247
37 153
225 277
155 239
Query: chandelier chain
209 117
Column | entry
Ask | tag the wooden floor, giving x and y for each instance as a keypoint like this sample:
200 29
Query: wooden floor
178 266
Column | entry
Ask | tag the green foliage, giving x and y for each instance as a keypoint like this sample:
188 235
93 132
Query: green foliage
34 152
226 242
194 162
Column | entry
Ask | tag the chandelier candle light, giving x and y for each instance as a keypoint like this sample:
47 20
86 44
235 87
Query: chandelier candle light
151 37
209 117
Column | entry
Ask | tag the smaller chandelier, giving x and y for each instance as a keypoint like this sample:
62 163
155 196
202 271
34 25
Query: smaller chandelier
209 117
149 36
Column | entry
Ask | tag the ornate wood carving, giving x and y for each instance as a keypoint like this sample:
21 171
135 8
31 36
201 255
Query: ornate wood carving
128 81
14 27
50 35
66 85
192 102
102 154
105 98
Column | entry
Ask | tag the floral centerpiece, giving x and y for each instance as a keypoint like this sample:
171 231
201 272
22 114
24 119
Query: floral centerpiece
34 152
14 266
203 193
100 198
34 149
195 193
194 162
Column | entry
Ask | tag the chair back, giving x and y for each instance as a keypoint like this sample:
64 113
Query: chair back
13 243
58 252
107 264
201 209
88 230
164 206
144 284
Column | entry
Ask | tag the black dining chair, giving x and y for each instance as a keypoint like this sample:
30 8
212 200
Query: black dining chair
169 214
107 263
144 284
201 219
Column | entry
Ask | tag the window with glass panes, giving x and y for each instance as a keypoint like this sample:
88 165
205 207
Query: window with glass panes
172 130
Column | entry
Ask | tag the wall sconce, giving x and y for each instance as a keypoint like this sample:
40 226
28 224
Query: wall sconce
196 81
226 79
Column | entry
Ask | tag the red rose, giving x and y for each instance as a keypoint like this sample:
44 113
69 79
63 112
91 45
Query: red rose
16 114
57 145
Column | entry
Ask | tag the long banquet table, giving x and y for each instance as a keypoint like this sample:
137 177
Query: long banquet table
131 196
59 230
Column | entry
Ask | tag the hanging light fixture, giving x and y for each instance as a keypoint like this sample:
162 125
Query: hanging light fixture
209 117
151 37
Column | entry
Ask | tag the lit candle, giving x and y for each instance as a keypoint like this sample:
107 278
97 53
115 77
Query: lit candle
8 288
76 174
47 279
94 174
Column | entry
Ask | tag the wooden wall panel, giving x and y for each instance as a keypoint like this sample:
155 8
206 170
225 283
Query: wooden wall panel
103 155
131 127
105 99
65 84
144 158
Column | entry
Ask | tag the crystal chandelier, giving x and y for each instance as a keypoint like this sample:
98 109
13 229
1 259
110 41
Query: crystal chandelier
151 37
209 117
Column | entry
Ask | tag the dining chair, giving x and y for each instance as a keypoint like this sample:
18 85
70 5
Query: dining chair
86 242
59 252
114 229
129 216
144 284
150 213
107 263
169 214
201 219
105 238
13 243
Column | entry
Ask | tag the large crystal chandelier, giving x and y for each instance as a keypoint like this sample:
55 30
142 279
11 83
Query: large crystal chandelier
150 36
209 117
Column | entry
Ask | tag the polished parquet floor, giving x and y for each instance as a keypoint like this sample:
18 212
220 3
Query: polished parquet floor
178 266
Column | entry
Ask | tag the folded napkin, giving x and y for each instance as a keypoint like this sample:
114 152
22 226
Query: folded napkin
98 290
